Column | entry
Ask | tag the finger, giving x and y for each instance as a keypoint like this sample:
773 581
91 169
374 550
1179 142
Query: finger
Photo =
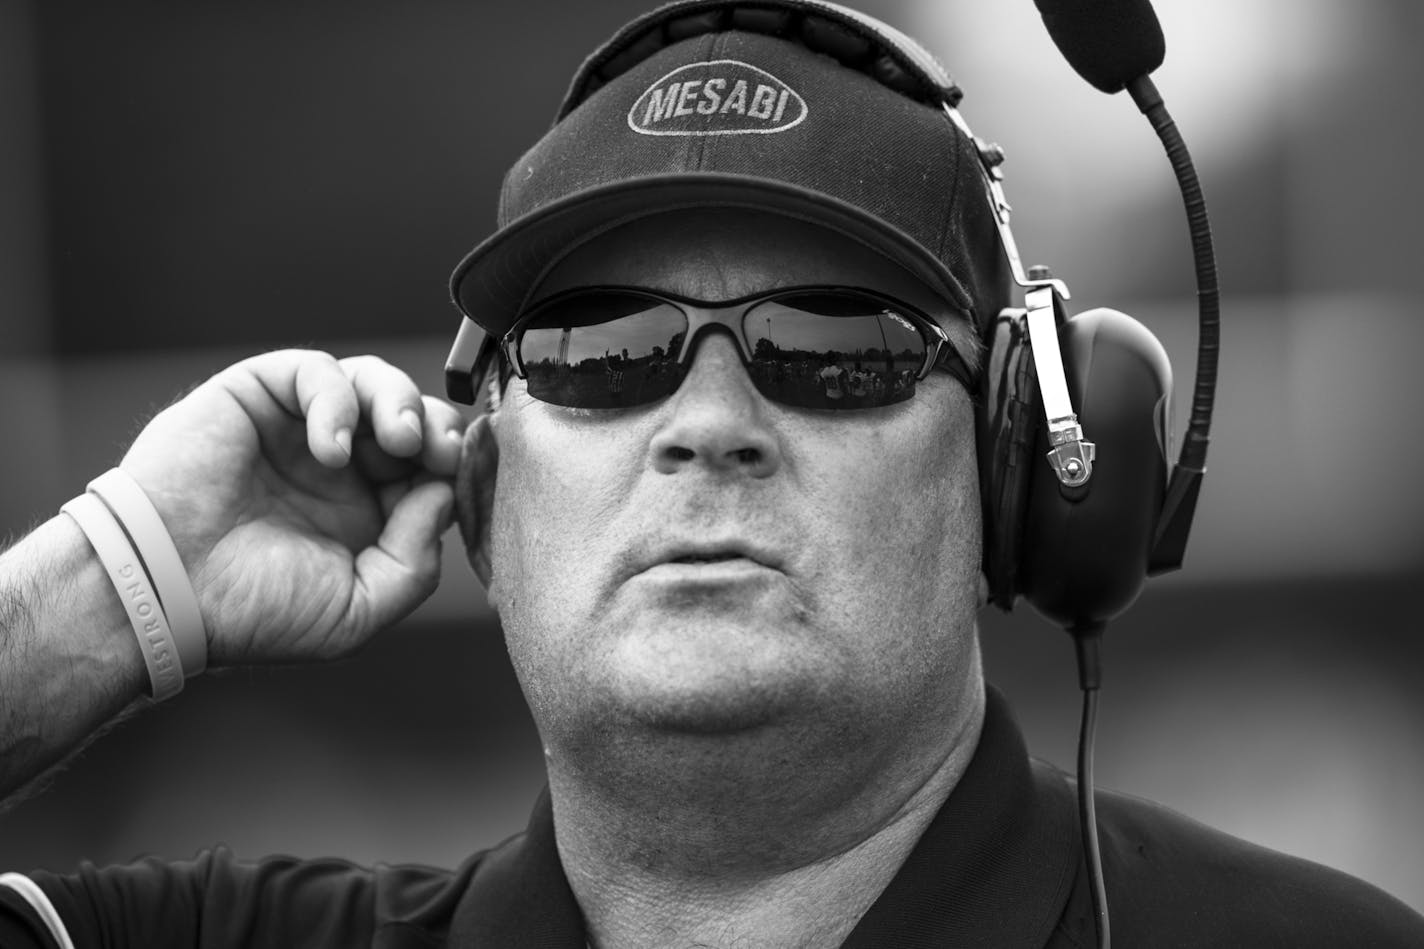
378 466
403 568
330 408
439 453
390 401
444 433
311 386
390 495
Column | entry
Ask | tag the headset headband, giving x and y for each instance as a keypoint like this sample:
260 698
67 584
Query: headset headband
850 37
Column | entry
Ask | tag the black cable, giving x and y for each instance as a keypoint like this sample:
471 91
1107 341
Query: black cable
1086 641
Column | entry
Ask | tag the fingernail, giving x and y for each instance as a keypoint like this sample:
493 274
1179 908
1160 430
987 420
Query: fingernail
343 440
412 421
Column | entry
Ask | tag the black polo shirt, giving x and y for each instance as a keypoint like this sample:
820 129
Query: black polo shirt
1000 865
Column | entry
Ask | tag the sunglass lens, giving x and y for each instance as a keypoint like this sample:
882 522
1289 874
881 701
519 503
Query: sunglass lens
833 350
603 350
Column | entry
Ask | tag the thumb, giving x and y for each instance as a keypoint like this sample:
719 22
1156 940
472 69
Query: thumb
403 567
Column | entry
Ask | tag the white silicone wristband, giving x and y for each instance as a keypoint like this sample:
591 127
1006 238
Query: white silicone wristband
141 521
150 625
31 893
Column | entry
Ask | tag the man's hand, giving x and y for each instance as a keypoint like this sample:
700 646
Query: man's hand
306 496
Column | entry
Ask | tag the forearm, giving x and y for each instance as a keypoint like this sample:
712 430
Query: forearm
307 545
69 661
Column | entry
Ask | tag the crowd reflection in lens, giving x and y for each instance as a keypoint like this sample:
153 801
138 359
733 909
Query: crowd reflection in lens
819 381
631 360
609 380
858 380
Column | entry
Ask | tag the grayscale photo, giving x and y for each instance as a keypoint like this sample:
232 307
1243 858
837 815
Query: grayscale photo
718 474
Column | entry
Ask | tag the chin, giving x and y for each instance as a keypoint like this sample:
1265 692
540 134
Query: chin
705 683
695 711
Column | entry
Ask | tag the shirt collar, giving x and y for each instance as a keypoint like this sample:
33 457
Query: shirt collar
997 863
994 868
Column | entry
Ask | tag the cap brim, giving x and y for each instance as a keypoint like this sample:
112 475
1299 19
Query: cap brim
493 283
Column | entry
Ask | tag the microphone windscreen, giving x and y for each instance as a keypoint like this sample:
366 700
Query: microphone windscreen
1108 42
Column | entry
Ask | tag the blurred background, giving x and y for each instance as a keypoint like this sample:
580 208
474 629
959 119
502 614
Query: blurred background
182 184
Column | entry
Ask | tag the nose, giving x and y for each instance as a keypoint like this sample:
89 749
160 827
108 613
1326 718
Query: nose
716 419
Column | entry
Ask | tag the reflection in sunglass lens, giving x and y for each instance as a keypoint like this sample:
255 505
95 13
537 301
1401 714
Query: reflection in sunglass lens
603 350
836 350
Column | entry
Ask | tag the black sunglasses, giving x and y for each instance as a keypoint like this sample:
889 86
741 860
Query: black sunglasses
817 347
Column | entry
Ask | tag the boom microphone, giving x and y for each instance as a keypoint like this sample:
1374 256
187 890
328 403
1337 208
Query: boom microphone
1115 45
1108 42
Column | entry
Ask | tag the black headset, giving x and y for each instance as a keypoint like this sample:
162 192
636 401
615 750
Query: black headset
1078 507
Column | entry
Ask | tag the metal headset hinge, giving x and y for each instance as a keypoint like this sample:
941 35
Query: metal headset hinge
1071 455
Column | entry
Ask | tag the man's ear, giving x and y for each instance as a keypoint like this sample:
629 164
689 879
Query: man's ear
474 493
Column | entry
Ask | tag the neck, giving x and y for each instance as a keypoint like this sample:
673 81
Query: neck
708 854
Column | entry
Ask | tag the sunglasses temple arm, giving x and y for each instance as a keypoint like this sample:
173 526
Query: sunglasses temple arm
469 358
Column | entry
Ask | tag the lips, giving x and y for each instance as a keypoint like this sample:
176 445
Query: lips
706 552
709 558
718 559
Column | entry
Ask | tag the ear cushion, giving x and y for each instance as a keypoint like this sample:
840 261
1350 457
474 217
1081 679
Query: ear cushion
1079 556
1084 554
1008 418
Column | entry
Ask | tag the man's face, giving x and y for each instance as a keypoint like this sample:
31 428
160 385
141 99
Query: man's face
717 567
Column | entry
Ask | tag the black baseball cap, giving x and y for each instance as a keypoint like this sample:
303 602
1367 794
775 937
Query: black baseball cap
796 107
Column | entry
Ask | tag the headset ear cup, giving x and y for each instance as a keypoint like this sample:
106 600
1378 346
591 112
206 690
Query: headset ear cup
1009 417
1084 552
